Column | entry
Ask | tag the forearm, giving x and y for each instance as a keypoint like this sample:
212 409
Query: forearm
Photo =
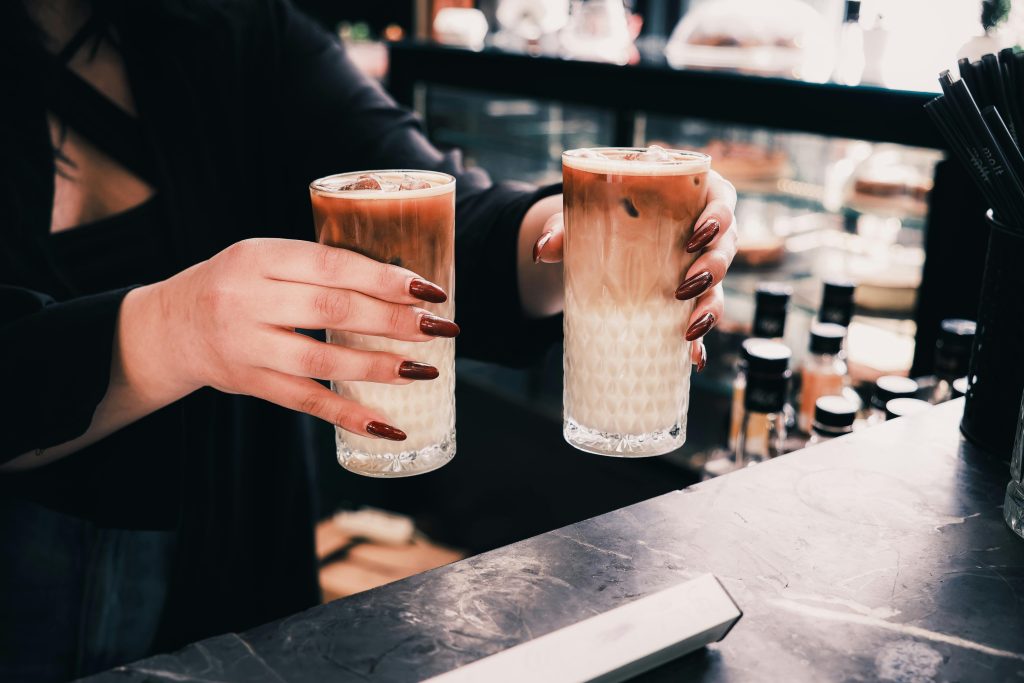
540 284
141 378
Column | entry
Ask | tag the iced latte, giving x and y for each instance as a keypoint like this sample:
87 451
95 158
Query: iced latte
406 218
628 216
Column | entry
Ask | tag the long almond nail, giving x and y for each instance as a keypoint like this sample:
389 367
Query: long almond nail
539 245
703 360
410 369
427 291
703 235
694 286
701 327
385 431
437 326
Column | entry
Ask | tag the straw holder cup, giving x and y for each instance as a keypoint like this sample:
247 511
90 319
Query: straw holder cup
995 383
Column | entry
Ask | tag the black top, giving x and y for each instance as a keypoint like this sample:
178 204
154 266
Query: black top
241 104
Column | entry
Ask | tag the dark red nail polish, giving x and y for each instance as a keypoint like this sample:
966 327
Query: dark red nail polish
538 247
427 291
410 369
694 286
703 235
703 360
701 327
385 431
437 326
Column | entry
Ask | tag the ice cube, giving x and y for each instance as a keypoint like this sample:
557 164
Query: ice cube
363 182
390 186
413 183
652 153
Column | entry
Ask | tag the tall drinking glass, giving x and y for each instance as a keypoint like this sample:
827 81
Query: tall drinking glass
406 218
628 216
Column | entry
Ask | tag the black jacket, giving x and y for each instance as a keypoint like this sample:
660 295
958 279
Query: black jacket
242 104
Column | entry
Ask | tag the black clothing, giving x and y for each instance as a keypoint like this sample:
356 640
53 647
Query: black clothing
241 105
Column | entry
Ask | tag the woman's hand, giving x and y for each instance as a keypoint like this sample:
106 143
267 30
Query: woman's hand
230 323
713 238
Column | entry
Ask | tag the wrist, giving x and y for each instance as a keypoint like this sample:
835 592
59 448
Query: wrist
152 347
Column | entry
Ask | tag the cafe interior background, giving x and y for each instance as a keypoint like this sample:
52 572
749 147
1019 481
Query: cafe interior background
812 108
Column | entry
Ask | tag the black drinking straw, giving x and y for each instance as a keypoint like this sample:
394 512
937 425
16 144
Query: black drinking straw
1008 70
979 135
1010 149
944 120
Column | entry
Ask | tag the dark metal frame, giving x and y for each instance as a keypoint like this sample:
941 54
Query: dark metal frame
865 113
956 231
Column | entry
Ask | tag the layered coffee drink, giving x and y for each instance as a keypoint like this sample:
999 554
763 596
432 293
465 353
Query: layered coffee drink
628 216
405 218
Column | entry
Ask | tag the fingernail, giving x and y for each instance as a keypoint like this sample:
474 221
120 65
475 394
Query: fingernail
701 327
437 326
703 360
694 286
427 291
385 431
410 369
539 246
703 235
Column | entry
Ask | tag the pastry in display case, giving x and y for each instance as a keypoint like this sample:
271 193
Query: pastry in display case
781 38
749 166
892 182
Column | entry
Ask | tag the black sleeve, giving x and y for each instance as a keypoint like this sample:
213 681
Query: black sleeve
336 119
55 364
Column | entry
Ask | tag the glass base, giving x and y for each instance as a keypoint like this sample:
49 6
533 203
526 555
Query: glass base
1013 507
398 464
645 445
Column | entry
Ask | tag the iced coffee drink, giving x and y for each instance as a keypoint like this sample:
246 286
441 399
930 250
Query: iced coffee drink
628 216
406 218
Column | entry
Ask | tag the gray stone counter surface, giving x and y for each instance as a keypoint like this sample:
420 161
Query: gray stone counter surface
878 556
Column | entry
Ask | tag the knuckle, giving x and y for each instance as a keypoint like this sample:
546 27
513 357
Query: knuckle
319 362
312 403
333 305
395 316
383 367
387 278
329 260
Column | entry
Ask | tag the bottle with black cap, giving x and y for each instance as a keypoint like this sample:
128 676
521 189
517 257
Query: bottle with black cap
771 301
888 387
833 416
837 302
824 372
763 424
952 356
900 407
760 419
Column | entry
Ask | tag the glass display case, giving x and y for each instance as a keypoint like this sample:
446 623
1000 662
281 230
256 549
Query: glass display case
833 181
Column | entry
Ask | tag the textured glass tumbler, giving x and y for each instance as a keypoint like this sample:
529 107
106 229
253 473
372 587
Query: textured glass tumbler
414 229
627 363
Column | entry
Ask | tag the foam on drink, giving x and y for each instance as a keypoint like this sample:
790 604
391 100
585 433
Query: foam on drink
628 215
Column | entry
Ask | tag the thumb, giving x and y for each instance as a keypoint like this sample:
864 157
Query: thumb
548 247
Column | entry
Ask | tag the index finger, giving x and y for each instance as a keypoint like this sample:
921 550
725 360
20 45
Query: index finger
319 264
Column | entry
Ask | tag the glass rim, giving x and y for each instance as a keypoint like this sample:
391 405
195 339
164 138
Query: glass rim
691 162
447 184
691 155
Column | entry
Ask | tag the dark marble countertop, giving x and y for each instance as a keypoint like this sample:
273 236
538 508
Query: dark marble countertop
879 556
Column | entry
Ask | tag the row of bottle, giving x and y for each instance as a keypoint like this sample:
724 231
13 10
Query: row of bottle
763 422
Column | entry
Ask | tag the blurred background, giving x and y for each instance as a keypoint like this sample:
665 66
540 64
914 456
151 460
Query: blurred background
812 108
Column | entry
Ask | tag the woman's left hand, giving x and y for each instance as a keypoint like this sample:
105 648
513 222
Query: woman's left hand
713 237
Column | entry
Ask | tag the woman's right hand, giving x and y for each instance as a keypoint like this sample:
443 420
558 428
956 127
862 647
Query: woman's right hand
230 322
